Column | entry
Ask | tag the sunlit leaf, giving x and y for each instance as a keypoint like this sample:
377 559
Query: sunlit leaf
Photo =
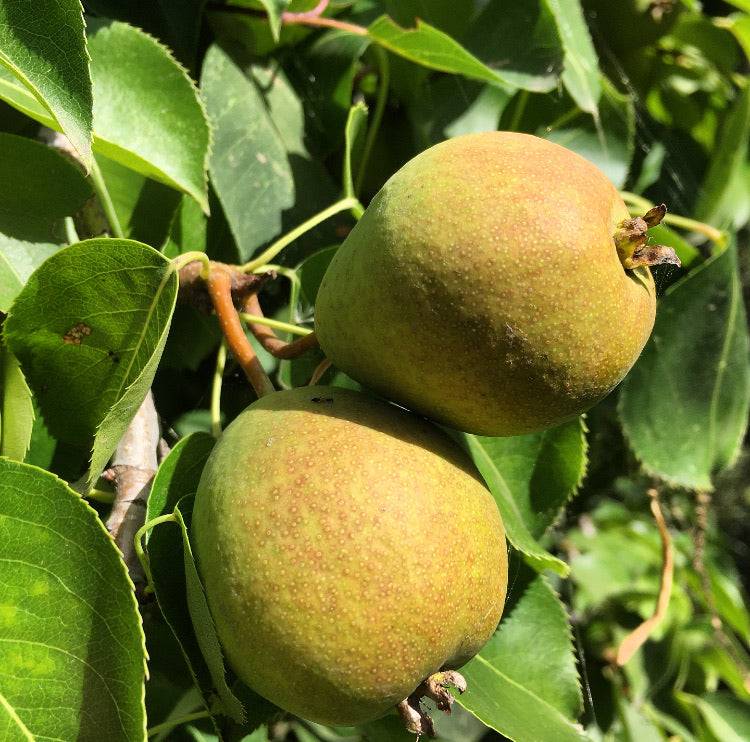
524 682
42 44
430 47
581 64
72 652
158 130
516 471
684 404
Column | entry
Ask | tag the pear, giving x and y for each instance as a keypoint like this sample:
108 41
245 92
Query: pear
349 551
495 284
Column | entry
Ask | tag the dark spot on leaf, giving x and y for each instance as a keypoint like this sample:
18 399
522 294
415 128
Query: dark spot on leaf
327 400
75 334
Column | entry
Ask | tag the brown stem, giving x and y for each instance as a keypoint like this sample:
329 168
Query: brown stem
265 335
193 288
311 18
315 17
634 640
219 285
323 366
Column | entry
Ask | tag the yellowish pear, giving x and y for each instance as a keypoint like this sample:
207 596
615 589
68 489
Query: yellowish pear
495 284
349 551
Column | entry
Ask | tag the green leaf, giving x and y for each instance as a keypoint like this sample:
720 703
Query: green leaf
521 40
524 682
88 329
728 158
205 631
541 470
274 8
431 48
248 165
43 45
176 478
354 124
38 188
581 64
684 405
518 470
72 652
16 408
159 130
144 207
607 140
726 717
739 25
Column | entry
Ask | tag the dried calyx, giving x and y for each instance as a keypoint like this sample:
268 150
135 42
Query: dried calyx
436 687
631 236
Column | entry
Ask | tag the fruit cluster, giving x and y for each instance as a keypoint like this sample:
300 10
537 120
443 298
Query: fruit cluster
351 554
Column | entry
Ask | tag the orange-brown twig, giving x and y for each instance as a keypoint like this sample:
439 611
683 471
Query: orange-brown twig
633 641
277 347
219 286
315 17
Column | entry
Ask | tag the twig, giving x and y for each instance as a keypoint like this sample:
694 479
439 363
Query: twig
132 469
265 335
220 290
633 641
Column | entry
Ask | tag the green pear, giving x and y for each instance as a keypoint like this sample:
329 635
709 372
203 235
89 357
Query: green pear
349 550
495 284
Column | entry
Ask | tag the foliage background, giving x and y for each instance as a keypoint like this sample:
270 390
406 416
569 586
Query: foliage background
241 132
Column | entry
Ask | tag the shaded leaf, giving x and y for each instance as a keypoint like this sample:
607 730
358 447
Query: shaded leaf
176 478
205 631
274 9
88 329
728 160
517 470
38 188
684 404
249 166
727 717
524 682
16 408
43 45
608 140
581 64
72 654
144 207
521 41
159 130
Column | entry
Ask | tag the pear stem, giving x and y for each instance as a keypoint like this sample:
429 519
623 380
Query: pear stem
219 286
265 335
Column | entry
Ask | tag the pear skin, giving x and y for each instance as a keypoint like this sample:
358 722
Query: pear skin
349 550
483 287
